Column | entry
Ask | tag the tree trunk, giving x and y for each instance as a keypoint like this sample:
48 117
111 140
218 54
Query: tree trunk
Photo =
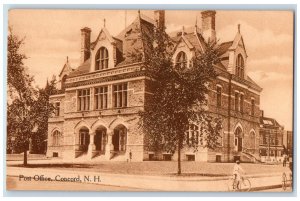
179 158
25 157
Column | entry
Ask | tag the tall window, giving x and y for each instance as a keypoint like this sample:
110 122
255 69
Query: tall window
193 135
56 138
83 102
241 102
84 138
236 101
101 98
252 107
181 60
101 59
120 95
240 66
219 96
57 108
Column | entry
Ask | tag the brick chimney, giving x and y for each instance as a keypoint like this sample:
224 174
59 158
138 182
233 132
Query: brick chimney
209 25
85 44
159 18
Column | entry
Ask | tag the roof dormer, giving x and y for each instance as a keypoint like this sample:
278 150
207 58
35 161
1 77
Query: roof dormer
105 51
184 51
237 56
65 71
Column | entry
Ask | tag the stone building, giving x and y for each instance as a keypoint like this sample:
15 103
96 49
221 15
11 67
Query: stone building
98 102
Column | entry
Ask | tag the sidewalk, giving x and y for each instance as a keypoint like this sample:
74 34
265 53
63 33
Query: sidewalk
152 183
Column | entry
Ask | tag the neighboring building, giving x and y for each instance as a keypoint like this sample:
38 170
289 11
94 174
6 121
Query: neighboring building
271 140
99 101
288 142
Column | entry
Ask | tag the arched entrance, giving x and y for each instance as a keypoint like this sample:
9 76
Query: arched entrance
100 139
119 138
238 140
84 139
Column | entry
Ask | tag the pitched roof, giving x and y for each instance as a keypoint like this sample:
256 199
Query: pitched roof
223 48
82 69
191 37
253 82
137 41
269 122
66 68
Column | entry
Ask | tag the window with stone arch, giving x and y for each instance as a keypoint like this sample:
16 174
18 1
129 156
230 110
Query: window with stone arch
252 139
238 139
181 60
56 138
240 66
101 59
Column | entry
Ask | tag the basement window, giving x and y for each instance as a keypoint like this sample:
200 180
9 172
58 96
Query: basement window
167 157
190 157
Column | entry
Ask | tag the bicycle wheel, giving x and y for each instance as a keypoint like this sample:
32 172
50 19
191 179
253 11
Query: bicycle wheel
284 181
245 185
231 184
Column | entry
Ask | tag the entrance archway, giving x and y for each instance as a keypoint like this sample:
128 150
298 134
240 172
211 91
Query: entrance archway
238 141
119 138
100 139
84 139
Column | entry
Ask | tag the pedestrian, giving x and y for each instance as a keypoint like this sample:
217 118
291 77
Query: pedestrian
284 160
130 155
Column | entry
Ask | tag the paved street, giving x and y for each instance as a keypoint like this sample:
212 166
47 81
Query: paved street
138 176
127 182
189 168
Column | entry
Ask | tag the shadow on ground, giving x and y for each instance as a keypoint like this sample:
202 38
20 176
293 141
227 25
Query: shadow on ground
65 165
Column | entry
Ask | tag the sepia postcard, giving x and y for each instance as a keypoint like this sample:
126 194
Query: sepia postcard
150 100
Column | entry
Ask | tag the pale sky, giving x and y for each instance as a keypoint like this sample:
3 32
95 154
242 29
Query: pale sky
52 35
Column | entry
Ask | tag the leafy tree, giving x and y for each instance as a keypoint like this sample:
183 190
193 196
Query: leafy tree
28 108
22 96
43 109
179 99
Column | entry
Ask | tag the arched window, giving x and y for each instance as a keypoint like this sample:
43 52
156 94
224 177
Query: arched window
252 140
181 60
101 59
240 66
119 138
56 138
238 141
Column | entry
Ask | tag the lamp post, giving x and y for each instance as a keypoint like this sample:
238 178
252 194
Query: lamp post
269 142
276 135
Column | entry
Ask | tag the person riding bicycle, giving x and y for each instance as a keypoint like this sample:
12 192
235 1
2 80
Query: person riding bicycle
238 171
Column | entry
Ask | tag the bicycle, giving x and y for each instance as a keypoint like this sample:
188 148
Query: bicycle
243 185
286 182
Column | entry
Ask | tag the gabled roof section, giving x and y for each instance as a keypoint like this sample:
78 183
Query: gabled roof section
66 68
137 41
238 37
192 38
107 34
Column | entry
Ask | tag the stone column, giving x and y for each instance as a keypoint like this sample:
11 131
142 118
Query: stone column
109 146
92 146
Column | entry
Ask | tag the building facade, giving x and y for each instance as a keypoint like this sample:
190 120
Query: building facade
99 101
271 140
288 142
